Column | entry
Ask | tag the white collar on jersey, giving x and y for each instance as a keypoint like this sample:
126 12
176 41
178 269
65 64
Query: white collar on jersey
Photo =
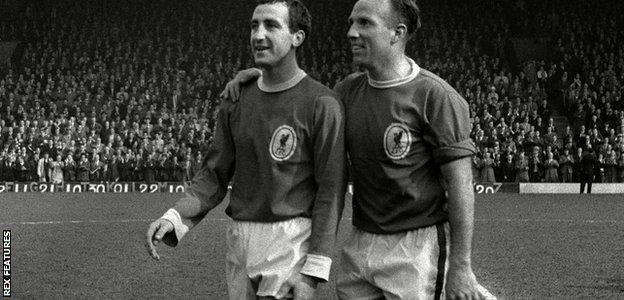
399 81
283 85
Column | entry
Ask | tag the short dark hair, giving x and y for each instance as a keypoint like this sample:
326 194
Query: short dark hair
408 13
298 15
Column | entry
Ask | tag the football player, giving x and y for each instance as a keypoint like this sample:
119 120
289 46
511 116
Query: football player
282 148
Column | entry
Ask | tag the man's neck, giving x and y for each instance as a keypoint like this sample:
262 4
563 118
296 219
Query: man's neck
278 79
279 74
395 67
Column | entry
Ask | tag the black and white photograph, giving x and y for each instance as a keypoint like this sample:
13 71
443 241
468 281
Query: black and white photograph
312 149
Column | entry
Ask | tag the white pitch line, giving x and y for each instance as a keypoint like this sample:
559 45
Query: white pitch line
87 221
227 219
551 221
74 222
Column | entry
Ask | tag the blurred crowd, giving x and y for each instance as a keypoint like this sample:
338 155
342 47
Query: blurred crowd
106 91
514 128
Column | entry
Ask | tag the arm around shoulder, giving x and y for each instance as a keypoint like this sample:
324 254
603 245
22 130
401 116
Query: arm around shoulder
233 87
330 175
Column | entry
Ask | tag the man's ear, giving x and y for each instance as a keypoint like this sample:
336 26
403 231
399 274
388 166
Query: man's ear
298 38
400 33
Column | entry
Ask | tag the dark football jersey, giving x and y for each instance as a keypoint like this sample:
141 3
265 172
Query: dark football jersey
284 154
398 134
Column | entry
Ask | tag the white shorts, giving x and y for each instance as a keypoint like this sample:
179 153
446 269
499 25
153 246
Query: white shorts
407 265
262 256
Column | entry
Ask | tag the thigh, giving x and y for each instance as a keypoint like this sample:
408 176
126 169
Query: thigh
240 286
412 266
352 282
275 252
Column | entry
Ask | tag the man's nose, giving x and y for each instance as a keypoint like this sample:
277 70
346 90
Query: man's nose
259 33
352 33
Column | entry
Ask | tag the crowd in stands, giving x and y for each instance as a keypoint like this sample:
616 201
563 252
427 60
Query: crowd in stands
106 91
514 128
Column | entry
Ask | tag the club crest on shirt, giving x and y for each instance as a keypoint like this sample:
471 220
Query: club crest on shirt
283 143
397 141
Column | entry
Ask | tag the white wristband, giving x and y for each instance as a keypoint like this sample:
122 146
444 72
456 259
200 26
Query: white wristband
317 266
173 216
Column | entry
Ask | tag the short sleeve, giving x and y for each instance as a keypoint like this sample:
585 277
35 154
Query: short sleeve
450 124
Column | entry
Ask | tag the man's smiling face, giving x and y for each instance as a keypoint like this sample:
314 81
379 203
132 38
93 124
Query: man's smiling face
271 38
369 33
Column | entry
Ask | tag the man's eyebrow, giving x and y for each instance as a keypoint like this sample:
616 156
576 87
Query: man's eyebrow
272 21
360 19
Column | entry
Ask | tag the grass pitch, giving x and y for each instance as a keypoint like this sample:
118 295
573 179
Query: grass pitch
91 246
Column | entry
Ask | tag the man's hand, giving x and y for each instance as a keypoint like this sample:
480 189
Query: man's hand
303 287
232 88
155 233
461 283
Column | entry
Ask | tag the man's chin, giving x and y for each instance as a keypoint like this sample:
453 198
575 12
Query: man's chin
360 63
261 64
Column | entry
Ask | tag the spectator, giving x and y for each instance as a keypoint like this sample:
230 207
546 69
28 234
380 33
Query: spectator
535 166
41 167
125 166
599 170
82 170
197 165
149 168
31 166
588 167
487 170
188 171
522 168
9 168
113 169
57 170
610 167
131 167
578 167
551 168
95 169
508 169
476 168
138 167
161 167
566 162
69 168
621 169
21 170
3 169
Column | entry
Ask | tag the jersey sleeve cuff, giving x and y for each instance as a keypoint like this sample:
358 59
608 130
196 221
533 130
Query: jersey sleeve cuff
317 266
180 229
455 151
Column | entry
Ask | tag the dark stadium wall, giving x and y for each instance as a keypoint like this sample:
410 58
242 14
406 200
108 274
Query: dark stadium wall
531 48
7 49
9 9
